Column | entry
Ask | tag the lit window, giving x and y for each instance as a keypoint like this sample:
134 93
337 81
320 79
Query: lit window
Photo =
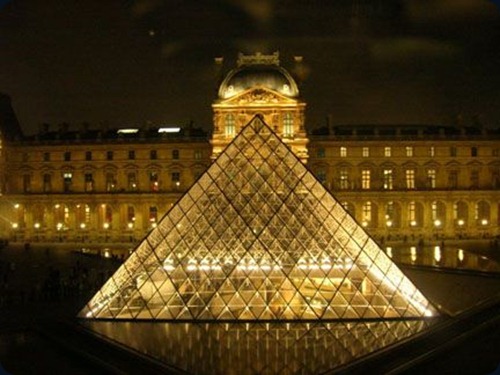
110 182
288 125
387 152
343 152
229 128
431 178
412 213
344 179
432 151
365 179
367 213
388 179
410 179
434 209
67 181
409 151
366 152
175 154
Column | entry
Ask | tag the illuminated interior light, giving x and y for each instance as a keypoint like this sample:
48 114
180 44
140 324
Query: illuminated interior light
16 205
83 225
130 225
37 225
15 225
389 223
127 131
413 223
461 222
460 255
169 130
59 226
105 225
413 254
364 223
484 222
437 223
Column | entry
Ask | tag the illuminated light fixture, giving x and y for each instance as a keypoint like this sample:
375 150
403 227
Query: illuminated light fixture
57 205
107 253
364 223
59 226
461 222
437 223
15 225
413 254
127 131
105 225
130 225
154 225
460 255
413 223
83 226
169 130
37 225
16 205
484 222
389 223
177 183
437 253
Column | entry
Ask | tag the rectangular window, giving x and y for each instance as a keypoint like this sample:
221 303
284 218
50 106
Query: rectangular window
412 213
387 152
366 152
154 183
67 181
153 214
320 153
26 183
153 154
474 179
88 155
131 155
365 179
288 125
110 182
132 181
409 151
198 154
432 151
344 179
175 154
431 178
453 179
343 152
321 176
67 156
388 179
473 152
46 156
130 215
47 183
89 182
367 213
410 179
109 155
176 176
453 151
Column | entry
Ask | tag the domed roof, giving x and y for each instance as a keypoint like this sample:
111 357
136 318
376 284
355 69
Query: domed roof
258 71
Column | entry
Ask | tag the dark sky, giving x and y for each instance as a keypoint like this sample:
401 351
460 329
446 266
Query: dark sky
365 61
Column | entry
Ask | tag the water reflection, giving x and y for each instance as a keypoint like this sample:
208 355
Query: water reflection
443 257
250 348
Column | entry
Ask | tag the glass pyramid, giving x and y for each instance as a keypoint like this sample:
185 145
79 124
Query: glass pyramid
257 237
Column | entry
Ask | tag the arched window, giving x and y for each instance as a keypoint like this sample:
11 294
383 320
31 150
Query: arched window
287 125
229 129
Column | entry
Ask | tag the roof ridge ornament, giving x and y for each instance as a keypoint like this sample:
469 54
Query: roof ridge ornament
259 59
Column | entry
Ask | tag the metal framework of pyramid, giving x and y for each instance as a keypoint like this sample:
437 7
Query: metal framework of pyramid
258 237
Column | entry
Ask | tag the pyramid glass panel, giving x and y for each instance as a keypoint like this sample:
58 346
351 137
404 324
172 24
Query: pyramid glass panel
258 237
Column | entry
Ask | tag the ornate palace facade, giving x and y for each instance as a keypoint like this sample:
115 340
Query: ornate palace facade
399 181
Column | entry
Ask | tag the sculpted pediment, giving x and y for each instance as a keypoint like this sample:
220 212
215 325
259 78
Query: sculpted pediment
259 96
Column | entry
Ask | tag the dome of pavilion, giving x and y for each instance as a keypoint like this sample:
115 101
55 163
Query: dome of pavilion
258 71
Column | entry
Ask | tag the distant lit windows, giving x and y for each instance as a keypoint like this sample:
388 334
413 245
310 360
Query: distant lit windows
365 179
109 155
434 210
366 152
88 155
344 179
46 156
110 182
153 154
343 152
321 176
431 178
388 179
67 156
131 155
198 154
321 152
47 183
175 154
366 213
288 125
432 151
410 178
387 152
473 152
89 182
67 181
132 181
409 151
154 183
412 213
453 151
229 126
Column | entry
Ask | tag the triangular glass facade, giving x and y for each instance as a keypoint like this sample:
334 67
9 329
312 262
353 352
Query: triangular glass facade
258 237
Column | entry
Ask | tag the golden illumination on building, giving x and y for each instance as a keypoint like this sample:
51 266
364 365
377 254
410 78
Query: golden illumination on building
258 237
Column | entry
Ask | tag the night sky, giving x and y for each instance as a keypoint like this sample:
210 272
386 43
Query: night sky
126 63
